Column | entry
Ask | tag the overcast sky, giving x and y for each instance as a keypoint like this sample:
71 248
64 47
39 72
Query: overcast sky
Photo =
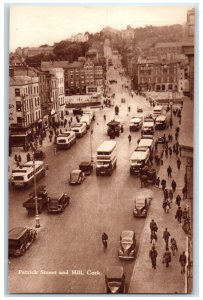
37 25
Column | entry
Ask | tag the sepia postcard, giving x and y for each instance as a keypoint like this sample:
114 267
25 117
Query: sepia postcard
101 138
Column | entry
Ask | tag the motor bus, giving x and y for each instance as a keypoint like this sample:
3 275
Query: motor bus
106 158
23 176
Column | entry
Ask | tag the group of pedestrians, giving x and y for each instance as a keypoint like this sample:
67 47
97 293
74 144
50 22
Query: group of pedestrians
167 254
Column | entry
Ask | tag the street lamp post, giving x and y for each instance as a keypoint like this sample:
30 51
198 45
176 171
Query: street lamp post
37 218
91 146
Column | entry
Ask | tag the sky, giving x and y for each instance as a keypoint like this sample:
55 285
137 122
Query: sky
37 25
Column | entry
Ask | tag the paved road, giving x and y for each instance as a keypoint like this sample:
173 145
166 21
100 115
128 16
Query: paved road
72 240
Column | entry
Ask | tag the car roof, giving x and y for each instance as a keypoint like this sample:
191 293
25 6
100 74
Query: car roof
16 233
127 234
115 272
75 171
136 119
145 142
140 200
85 163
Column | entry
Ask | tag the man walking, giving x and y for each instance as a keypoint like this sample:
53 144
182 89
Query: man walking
173 185
178 163
153 226
163 184
169 171
129 138
178 199
183 261
153 255
179 214
166 235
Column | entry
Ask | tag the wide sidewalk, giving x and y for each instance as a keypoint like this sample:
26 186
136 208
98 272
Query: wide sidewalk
162 280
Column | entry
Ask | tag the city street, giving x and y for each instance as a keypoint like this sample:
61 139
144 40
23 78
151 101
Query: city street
68 254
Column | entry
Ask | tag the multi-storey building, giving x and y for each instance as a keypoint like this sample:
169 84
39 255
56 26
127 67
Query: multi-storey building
24 108
75 79
59 74
157 75
93 77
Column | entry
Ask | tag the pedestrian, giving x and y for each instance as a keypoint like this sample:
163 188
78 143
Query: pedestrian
166 194
16 158
174 148
173 185
166 235
179 214
69 123
151 160
170 195
174 247
105 240
162 153
185 214
166 257
184 192
50 137
169 171
178 163
176 135
157 181
163 184
104 117
170 151
156 146
153 237
129 108
153 226
19 158
122 129
166 152
183 262
129 138
178 199
153 255
28 156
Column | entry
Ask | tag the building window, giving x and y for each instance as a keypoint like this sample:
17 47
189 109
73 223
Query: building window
18 106
17 92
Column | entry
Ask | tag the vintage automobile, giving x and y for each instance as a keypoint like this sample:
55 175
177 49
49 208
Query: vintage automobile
77 111
139 109
147 176
141 206
76 177
58 202
161 138
86 167
128 246
113 129
115 280
42 200
20 239
39 155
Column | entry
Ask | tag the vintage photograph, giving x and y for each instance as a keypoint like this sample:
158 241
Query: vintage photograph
101 136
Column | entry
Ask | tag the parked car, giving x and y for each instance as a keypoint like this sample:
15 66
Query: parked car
77 111
128 245
42 200
76 177
20 239
139 109
115 280
141 207
58 202
39 155
86 167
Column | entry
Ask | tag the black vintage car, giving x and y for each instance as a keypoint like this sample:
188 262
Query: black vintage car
86 167
113 129
77 111
115 280
128 246
19 240
58 202
39 155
